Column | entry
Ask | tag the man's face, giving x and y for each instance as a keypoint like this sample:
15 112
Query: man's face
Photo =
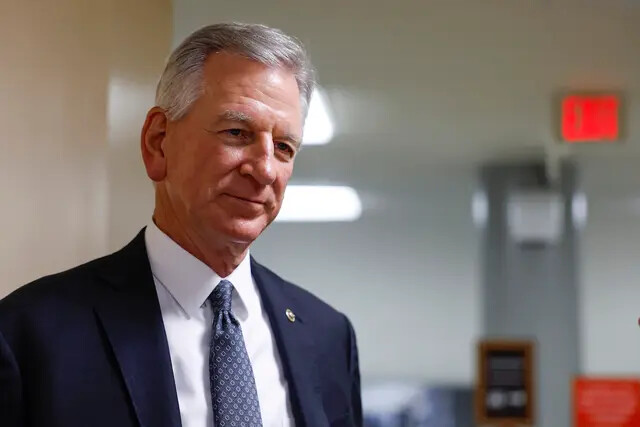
228 160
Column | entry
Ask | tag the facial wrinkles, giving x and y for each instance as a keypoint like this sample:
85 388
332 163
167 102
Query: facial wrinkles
266 98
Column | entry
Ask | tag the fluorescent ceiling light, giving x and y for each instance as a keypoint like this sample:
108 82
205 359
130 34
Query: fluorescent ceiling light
318 128
480 208
579 210
316 203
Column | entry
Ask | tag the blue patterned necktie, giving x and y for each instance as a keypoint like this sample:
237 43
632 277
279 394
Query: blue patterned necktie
233 388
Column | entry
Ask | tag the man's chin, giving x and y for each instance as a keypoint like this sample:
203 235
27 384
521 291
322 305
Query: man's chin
245 230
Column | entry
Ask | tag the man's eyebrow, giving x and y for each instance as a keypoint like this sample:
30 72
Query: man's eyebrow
235 116
241 117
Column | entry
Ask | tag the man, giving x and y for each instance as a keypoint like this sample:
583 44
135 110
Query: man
182 326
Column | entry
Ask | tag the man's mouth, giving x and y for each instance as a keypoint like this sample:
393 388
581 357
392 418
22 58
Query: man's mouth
246 199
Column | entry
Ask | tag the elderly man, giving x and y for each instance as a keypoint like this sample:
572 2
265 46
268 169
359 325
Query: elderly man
182 326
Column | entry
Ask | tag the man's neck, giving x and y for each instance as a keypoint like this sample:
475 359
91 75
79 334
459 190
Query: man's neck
221 255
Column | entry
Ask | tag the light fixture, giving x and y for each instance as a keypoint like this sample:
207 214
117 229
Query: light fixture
317 203
318 128
479 208
535 217
579 210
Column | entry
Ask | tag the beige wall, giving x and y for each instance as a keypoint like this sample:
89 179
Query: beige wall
54 88
141 42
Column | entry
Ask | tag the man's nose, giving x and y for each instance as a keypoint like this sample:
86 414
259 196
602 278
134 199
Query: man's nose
261 159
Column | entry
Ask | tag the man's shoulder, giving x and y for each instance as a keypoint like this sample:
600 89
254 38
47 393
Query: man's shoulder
64 289
331 331
309 302
75 287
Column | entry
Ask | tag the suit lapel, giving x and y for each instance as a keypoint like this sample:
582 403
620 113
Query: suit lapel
131 318
296 348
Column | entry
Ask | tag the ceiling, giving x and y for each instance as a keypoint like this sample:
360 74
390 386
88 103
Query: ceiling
421 90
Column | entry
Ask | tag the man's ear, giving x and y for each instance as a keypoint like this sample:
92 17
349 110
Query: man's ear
154 132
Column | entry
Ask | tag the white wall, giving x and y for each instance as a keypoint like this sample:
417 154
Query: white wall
610 292
422 93
406 274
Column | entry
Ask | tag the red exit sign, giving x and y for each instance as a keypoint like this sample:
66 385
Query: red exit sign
590 118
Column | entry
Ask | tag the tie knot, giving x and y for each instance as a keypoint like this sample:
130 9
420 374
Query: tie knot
221 297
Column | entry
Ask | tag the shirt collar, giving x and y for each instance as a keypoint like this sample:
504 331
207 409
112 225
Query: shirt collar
189 280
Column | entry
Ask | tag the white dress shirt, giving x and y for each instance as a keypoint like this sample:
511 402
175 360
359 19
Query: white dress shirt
183 284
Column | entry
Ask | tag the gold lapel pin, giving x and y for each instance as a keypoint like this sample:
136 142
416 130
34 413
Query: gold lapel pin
290 315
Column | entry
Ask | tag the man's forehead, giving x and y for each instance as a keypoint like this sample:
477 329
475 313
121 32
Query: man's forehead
240 89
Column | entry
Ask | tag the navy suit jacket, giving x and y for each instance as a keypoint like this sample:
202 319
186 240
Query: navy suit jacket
87 347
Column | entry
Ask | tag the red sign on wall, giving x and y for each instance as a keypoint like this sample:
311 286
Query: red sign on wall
602 402
590 118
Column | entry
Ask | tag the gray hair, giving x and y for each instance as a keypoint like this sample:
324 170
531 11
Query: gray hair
181 83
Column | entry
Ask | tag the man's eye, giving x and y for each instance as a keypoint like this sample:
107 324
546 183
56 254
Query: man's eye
234 132
283 146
